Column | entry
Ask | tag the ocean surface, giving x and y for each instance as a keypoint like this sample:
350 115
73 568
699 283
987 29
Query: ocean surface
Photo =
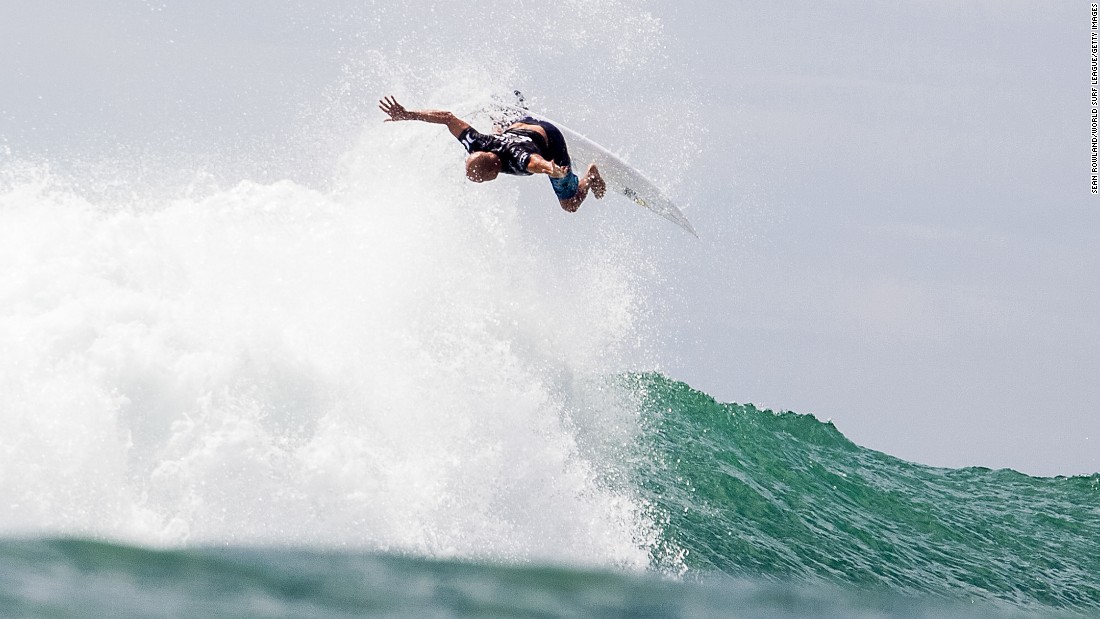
89 579
236 382
742 513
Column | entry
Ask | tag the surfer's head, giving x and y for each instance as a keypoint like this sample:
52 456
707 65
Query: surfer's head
482 166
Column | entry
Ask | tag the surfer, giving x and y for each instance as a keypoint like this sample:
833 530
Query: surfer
528 146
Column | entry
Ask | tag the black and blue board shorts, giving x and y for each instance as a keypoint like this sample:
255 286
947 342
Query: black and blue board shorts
554 150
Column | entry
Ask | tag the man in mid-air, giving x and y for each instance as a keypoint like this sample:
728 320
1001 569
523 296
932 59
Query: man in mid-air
528 146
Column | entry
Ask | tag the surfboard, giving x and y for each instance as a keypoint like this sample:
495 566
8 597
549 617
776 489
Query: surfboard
620 177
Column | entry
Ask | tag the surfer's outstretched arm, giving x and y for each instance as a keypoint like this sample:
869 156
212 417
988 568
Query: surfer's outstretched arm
538 164
396 111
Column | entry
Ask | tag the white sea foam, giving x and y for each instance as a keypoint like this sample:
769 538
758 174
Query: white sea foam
392 360
388 365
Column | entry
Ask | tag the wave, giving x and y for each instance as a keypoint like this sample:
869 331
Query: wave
399 368
754 493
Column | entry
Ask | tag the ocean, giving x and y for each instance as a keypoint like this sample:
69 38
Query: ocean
750 513
318 376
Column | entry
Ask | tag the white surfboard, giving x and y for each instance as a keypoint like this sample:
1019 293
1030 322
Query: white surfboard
619 176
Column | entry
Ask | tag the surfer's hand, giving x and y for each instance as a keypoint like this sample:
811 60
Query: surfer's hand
557 171
395 110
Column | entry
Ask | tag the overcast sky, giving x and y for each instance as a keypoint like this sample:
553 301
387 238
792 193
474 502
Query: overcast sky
893 198
926 269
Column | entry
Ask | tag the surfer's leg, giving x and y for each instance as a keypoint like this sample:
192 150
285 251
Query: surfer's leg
593 180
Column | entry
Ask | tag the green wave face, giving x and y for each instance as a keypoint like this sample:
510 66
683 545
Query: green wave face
753 493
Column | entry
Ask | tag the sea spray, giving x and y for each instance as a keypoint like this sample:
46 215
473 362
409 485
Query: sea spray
215 347
387 365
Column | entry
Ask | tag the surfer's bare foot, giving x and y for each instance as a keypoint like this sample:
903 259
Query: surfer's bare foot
595 181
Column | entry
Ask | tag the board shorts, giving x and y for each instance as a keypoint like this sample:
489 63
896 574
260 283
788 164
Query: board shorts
554 150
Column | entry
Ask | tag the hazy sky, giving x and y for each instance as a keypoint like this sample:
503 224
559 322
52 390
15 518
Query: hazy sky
925 273
893 198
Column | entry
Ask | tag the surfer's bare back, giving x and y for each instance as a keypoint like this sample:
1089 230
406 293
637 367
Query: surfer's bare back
529 146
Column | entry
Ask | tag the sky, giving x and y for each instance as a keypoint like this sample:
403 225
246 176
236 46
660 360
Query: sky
893 201
925 269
